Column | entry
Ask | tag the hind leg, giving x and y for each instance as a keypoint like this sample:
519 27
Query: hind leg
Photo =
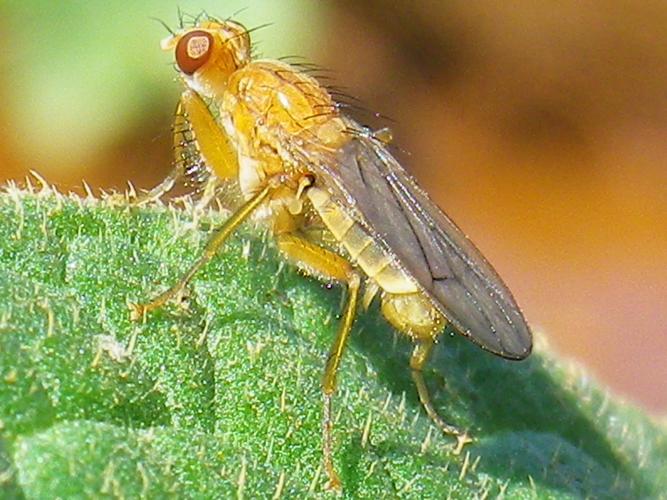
418 359
414 315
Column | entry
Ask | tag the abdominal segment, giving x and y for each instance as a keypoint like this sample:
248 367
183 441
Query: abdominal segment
404 305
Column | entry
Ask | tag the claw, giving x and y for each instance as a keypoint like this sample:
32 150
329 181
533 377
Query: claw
137 311
461 440
334 483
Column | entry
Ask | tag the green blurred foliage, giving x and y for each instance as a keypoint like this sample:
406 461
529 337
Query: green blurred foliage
77 74
219 395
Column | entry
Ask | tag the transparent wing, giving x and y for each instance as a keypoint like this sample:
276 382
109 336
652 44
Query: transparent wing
368 182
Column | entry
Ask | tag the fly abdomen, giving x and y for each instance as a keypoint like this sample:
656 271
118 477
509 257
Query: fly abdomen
373 260
403 304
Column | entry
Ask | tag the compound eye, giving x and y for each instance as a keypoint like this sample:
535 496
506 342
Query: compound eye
193 50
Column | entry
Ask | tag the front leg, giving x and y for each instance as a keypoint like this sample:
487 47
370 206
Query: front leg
214 243
202 151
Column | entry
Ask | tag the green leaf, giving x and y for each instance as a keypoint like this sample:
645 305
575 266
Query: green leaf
219 396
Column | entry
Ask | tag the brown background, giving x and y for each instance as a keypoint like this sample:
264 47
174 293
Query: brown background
540 128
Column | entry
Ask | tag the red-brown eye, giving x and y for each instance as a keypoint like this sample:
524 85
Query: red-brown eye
193 50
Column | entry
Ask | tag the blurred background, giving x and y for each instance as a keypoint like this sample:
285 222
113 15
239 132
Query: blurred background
540 127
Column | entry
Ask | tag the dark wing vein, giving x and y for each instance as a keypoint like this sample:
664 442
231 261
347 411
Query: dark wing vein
373 188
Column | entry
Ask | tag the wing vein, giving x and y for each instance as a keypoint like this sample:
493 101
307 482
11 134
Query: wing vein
366 182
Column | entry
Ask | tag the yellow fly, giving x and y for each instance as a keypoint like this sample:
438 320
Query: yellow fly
339 205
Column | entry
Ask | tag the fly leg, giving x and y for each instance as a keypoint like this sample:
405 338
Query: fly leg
323 263
418 359
330 372
208 193
214 243
181 130
201 148
156 192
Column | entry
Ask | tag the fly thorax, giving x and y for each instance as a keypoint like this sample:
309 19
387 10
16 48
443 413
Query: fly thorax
228 125
251 176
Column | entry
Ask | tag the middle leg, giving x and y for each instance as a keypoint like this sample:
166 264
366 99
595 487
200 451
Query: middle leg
325 264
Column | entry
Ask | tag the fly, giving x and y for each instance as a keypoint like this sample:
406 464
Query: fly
339 205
